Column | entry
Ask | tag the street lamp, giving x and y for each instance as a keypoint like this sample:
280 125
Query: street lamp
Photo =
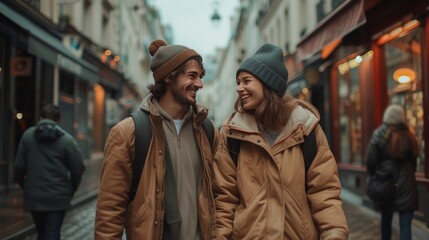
216 18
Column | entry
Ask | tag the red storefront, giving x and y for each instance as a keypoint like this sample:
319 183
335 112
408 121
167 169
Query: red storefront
370 53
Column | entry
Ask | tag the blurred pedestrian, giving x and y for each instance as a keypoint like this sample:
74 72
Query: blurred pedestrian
392 144
48 167
268 194
174 198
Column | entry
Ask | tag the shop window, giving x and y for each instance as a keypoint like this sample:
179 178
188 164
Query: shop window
350 116
350 110
67 101
47 93
404 81
67 84
82 132
3 113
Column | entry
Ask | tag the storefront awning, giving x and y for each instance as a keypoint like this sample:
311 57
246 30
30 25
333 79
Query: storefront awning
44 45
343 20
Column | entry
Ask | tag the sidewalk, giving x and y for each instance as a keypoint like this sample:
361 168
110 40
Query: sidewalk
364 223
15 223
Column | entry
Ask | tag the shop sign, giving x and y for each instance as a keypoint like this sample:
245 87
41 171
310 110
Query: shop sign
21 66
69 65
73 43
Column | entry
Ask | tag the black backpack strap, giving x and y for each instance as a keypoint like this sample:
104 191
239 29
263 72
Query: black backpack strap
234 149
143 135
309 151
209 130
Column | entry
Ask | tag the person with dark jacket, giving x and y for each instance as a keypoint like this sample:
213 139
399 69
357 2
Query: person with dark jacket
174 198
268 194
48 167
392 142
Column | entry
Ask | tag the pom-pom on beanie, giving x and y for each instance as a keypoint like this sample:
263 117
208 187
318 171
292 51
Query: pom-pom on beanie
394 114
167 58
268 65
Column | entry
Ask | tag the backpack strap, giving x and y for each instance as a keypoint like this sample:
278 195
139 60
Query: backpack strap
309 151
209 130
143 135
234 149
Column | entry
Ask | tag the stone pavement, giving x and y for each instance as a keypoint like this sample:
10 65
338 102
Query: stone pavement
16 224
364 223
78 223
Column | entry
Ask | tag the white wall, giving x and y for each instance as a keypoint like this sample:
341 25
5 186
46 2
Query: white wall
282 23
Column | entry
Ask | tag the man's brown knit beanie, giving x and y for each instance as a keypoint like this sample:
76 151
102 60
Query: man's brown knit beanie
167 58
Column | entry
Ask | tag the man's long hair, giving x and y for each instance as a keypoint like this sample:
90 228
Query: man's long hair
274 111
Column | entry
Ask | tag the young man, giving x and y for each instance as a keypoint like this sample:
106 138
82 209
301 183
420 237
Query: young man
174 198
49 167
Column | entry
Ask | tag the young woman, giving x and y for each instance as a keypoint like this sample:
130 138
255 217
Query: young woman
393 142
268 193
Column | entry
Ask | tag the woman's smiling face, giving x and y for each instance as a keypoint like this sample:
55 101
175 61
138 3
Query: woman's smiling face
250 90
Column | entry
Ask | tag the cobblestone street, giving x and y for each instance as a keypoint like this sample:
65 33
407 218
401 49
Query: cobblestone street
363 223
78 223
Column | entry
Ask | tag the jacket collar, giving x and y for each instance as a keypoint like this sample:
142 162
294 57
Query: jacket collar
304 117
150 104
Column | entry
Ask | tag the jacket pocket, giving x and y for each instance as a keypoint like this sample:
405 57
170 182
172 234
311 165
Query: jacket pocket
249 216
141 216
299 222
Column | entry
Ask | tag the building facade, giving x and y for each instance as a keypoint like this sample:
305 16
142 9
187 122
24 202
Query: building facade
87 56
370 54
350 59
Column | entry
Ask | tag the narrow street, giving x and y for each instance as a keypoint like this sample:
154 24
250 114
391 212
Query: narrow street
78 224
363 223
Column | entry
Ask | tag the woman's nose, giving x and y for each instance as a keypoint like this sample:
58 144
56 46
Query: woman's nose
239 88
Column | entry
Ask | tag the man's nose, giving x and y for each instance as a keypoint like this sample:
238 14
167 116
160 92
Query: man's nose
199 83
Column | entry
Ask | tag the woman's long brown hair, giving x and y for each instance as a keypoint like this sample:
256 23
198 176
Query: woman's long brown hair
402 142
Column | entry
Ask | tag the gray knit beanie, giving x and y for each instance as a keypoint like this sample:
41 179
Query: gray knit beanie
394 114
268 65
167 58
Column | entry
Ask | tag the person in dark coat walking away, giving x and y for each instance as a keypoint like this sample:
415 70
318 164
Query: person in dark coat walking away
48 167
393 141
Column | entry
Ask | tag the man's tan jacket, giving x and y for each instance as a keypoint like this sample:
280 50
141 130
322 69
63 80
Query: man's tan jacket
143 218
